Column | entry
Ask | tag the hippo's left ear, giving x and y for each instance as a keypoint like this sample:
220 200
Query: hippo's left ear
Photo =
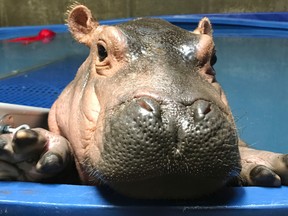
204 27
81 23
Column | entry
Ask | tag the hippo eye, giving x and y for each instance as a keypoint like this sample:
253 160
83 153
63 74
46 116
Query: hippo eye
213 60
102 52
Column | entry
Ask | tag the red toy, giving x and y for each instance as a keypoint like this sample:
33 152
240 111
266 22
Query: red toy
45 35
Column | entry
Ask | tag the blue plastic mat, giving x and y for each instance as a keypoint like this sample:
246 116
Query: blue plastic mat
254 79
40 87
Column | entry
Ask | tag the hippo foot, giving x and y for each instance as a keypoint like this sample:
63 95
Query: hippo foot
263 168
33 155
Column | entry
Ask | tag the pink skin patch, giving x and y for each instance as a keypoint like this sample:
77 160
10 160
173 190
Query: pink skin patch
45 35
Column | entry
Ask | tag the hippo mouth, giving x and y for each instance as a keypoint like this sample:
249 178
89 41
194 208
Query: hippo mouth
167 149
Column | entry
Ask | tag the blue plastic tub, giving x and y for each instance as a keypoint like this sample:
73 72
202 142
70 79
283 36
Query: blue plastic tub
252 52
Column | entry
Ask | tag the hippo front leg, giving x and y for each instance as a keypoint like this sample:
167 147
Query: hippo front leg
262 168
33 155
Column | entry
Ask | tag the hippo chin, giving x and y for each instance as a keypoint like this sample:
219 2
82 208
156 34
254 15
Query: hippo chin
144 115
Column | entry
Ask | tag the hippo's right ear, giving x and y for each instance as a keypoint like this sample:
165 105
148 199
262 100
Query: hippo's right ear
204 27
81 23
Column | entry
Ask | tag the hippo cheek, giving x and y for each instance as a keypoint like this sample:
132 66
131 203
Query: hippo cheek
166 149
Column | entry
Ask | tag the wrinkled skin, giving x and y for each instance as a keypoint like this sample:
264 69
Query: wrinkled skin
144 115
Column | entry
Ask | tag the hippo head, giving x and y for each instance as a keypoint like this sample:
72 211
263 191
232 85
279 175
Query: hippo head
147 116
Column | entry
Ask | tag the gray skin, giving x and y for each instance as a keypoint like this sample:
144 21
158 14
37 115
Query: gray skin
144 115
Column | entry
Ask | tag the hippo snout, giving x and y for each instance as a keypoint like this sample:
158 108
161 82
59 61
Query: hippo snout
170 144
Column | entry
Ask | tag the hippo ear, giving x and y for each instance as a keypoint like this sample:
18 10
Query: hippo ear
81 23
204 27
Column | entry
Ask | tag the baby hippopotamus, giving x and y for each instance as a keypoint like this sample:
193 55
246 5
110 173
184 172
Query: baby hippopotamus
144 115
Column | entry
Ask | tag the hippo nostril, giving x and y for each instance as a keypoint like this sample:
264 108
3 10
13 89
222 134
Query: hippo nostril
150 105
201 109
204 107
145 105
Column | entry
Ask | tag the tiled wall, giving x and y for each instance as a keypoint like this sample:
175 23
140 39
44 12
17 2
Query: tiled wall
39 12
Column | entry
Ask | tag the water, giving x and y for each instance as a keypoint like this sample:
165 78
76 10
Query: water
252 71
254 75
17 58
